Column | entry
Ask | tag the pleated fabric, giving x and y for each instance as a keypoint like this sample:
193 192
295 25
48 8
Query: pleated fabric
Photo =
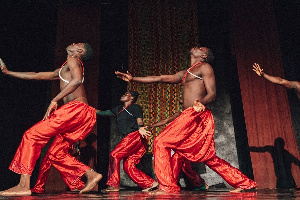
130 150
68 124
191 135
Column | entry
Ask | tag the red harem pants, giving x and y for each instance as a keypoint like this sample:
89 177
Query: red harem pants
70 123
191 135
179 163
130 150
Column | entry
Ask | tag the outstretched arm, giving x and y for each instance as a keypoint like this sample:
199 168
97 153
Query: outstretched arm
107 113
29 75
165 121
175 78
277 80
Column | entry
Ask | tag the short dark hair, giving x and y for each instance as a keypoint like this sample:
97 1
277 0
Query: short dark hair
135 95
88 52
210 56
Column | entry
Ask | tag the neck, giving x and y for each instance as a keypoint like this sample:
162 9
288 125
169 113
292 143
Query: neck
194 61
127 103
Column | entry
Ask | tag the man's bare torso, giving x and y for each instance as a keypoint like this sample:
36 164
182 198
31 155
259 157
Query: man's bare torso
193 88
79 94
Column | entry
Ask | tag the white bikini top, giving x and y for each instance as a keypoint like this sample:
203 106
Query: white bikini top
194 75
187 71
64 80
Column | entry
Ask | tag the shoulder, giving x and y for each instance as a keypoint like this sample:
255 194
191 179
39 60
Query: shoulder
136 106
205 68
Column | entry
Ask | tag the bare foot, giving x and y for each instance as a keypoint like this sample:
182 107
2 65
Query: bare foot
16 191
236 190
154 185
92 179
110 189
158 192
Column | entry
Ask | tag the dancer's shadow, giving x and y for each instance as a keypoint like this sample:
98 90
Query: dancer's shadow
282 160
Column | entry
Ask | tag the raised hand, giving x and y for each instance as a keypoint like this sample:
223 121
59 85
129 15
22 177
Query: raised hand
125 77
52 107
198 106
258 70
3 66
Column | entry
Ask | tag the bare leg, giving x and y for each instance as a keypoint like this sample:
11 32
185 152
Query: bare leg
22 189
92 179
110 189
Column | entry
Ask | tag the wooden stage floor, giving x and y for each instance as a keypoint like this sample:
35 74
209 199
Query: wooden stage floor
212 194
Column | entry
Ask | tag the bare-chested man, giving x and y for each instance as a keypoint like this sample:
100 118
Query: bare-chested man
68 124
277 80
191 134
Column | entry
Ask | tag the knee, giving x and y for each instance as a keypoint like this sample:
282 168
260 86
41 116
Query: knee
114 155
177 158
127 165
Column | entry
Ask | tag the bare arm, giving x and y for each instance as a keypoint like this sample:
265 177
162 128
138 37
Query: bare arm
29 75
165 121
209 82
277 80
175 78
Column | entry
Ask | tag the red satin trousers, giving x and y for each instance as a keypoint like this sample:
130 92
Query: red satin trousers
68 124
191 135
130 150
180 163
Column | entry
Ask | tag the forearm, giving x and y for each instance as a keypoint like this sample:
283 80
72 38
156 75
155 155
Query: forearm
147 79
210 97
272 79
22 75
158 79
107 113
33 75
160 123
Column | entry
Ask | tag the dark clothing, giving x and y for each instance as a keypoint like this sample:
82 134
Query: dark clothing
126 121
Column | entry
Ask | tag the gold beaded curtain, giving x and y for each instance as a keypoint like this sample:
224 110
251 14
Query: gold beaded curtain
161 32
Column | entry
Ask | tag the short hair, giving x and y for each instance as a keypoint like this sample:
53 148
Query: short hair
135 95
210 57
88 52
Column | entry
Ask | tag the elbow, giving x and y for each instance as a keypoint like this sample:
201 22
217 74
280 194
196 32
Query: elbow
213 96
77 82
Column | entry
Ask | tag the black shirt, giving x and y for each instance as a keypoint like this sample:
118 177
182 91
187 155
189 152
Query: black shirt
127 121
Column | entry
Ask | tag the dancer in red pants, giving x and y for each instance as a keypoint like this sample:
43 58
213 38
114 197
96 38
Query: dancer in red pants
191 134
70 123
180 163
132 147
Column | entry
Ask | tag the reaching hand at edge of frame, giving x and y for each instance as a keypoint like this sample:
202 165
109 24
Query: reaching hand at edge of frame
3 67
259 71
198 106
144 133
52 107
125 77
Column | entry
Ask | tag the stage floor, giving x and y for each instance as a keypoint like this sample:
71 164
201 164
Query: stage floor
215 194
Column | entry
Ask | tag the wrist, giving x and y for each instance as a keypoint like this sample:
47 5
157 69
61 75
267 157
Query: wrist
139 126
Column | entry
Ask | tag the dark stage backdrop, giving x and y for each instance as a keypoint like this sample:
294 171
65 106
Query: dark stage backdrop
274 151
